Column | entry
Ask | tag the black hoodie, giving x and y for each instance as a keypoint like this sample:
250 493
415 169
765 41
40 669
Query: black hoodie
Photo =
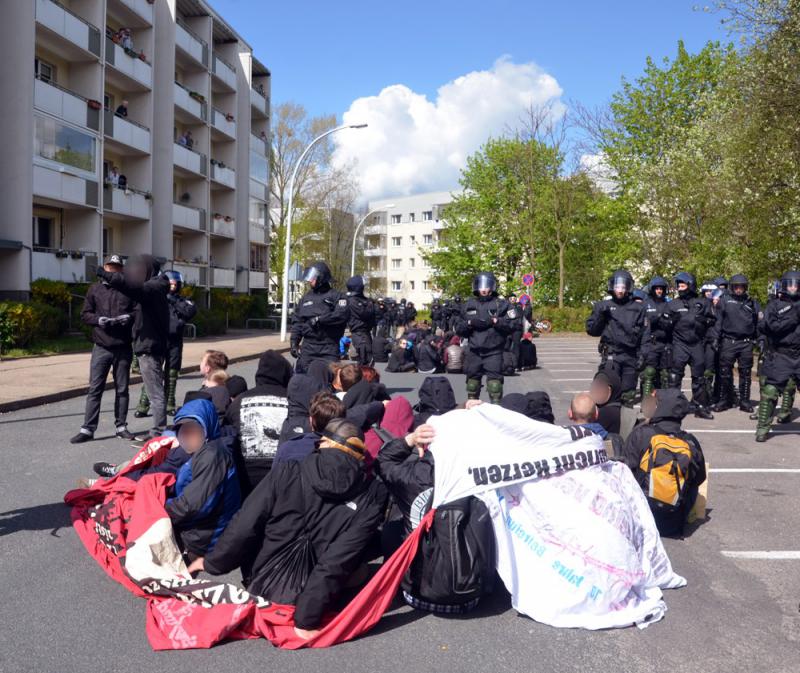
535 405
300 390
364 403
302 532
608 414
436 397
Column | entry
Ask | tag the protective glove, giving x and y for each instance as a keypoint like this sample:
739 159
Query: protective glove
715 345
104 322
478 324
640 362
294 350
314 321
123 319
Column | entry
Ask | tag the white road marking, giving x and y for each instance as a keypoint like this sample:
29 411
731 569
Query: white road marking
565 371
745 432
764 555
760 470
582 379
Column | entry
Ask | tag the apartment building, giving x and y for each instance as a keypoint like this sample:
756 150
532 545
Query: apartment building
163 93
393 240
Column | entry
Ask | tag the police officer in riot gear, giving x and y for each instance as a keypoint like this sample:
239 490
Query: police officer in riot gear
781 327
486 321
735 333
621 322
657 347
690 317
437 316
319 319
362 319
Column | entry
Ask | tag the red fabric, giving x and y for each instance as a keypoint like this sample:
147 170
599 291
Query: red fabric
112 516
398 418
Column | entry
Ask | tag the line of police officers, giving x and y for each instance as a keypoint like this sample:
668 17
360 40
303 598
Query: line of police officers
653 338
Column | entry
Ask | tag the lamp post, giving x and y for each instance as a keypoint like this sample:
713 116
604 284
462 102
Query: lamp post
287 254
355 234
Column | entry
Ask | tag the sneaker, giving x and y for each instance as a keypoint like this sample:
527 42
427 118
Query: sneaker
82 436
106 470
124 433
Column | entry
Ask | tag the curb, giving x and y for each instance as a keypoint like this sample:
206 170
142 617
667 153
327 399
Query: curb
80 392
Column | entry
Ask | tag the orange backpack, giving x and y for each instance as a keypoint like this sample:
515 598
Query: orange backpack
665 465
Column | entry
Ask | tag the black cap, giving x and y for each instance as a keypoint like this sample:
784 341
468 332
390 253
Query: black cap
114 259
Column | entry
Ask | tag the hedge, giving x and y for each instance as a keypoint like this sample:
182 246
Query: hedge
21 324
567 319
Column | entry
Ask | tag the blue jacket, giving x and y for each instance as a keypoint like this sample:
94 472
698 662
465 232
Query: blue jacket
207 492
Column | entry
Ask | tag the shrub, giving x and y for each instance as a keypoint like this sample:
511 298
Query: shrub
21 324
237 306
567 319
209 322
50 292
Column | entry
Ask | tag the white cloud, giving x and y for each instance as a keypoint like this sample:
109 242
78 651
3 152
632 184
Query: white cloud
416 145
599 171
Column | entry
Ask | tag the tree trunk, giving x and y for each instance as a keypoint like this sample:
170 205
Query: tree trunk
561 273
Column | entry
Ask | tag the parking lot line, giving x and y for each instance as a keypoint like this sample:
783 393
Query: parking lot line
766 555
743 432
769 470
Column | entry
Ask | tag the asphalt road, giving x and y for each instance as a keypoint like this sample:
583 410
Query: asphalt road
61 613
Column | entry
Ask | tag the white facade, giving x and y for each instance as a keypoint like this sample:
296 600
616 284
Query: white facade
394 240
185 71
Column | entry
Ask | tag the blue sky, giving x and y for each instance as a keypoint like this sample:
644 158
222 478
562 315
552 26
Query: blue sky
435 79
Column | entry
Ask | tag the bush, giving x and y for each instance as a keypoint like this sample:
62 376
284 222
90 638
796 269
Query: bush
209 322
237 306
21 324
50 292
567 319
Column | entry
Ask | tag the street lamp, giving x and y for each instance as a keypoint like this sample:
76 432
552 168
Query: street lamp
287 254
355 234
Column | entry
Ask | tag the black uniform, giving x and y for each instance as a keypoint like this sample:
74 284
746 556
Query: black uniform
362 319
319 321
486 322
437 317
735 334
656 348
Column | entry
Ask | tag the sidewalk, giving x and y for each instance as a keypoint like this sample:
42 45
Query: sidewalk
30 382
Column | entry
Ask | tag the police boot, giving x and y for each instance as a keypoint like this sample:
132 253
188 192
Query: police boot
135 365
762 381
726 393
708 386
744 392
784 414
172 384
648 381
769 396
495 389
143 408
628 397
473 389
701 405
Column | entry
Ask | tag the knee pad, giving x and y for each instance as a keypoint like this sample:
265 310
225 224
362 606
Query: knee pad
473 388
770 392
649 373
495 389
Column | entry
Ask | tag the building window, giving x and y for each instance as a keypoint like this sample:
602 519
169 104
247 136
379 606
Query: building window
411 262
259 170
396 219
397 286
44 71
396 263
426 285
65 145
427 215
411 284
412 217
258 212
397 241
427 239
413 239
44 229
258 257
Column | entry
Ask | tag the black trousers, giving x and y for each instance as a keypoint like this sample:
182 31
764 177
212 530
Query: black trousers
309 353
118 361
735 352
693 355
479 362
624 364
780 367
362 341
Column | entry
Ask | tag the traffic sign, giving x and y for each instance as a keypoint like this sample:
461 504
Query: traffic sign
527 279
524 299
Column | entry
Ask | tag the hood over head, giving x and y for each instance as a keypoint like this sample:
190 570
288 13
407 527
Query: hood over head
334 475
436 396
299 392
671 405
273 369
535 405
202 412
320 372
611 378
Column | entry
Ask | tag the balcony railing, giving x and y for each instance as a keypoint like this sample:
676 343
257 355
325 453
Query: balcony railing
60 185
126 131
223 277
69 25
220 122
258 279
258 143
128 64
193 273
188 217
224 70
258 100
126 201
65 104
189 159
191 43
223 226
258 233
66 266
223 175
186 101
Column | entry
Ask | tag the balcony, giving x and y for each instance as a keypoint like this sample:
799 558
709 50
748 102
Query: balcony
220 122
66 266
128 133
223 175
258 101
258 280
189 43
138 73
187 217
224 71
222 277
193 273
373 252
141 8
69 27
188 103
258 144
189 160
258 233
375 273
258 190
223 226
65 104
130 203
375 229
60 185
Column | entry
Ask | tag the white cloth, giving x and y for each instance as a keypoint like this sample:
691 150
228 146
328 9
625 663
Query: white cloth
577 545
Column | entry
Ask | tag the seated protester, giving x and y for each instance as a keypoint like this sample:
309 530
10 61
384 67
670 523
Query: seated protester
527 353
583 413
397 421
323 409
428 361
454 356
214 385
535 405
258 415
212 361
455 564
322 372
402 357
381 347
344 378
667 461
370 374
436 397
606 391
299 392
344 347
305 529
207 493
236 385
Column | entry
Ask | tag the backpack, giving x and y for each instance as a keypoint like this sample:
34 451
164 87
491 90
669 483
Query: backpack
665 466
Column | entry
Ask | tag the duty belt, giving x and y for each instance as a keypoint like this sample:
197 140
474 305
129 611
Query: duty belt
745 340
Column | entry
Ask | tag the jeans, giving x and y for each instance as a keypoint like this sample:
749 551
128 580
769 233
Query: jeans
152 369
118 360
